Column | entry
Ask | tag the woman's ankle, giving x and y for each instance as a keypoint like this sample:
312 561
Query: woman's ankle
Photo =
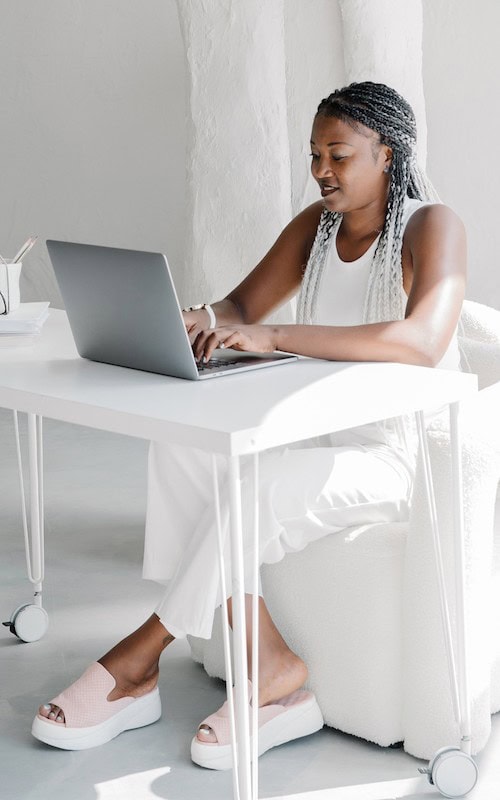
134 661
279 676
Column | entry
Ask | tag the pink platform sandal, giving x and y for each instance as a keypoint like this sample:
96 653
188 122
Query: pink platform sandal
291 717
91 719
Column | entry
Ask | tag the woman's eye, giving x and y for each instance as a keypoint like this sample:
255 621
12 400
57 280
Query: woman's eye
315 157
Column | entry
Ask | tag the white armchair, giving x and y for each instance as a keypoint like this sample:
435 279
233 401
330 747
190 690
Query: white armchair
362 607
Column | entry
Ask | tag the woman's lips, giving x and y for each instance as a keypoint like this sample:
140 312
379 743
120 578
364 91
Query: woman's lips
326 189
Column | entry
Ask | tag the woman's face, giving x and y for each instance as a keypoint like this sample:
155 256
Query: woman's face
348 166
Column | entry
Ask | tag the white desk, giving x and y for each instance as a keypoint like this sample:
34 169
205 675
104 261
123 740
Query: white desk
233 415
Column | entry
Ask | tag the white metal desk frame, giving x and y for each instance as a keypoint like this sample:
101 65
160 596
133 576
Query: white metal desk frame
51 380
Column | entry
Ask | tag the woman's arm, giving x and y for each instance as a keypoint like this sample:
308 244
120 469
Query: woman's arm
434 261
273 281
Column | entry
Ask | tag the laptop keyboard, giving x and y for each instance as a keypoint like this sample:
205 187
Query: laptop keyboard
219 363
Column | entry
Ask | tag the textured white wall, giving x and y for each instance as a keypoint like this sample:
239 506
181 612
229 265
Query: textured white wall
251 103
92 134
461 84
314 69
383 43
92 128
238 164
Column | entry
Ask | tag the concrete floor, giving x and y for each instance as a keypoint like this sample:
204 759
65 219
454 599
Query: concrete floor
95 498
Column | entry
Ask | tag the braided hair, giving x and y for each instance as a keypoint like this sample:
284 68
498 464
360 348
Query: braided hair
384 111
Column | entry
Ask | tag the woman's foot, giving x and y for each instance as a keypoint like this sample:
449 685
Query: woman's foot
90 718
133 663
281 672
279 679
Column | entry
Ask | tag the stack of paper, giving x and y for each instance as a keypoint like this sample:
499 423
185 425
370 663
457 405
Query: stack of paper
24 324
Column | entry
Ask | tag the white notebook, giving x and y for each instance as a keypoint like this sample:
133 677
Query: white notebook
28 318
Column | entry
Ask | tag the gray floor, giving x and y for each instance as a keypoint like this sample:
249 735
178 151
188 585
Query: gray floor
95 497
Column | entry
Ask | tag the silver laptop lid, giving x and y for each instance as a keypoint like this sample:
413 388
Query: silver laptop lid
123 308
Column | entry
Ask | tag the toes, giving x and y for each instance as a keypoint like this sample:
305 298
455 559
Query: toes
51 712
206 734
45 710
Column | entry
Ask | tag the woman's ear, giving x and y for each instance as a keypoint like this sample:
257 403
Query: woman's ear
388 158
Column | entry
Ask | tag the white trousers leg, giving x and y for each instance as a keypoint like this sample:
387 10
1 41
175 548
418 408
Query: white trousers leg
306 493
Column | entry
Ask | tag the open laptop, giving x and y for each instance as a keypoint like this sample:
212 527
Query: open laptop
123 309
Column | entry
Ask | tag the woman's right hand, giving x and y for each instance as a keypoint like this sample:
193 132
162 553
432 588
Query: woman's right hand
196 322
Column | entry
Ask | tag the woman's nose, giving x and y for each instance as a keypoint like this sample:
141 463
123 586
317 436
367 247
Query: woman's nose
321 167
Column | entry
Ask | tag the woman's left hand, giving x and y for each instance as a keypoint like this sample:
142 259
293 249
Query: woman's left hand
256 338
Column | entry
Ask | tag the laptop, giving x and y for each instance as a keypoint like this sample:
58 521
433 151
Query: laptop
123 309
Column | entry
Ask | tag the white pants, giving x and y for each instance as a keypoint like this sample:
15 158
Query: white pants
306 492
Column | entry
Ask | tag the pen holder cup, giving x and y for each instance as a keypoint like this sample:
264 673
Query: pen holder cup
9 287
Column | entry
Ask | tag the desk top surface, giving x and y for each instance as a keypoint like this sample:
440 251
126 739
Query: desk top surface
233 414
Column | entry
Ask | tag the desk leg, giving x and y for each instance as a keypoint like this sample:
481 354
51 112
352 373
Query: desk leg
458 520
255 630
438 560
35 450
452 770
30 621
239 632
244 787
225 628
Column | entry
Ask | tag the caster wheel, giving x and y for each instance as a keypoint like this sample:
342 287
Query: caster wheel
453 772
29 622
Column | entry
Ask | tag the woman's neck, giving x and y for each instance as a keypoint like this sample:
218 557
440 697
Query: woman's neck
358 231
363 224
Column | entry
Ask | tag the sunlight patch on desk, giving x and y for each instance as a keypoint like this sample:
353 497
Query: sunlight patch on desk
131 787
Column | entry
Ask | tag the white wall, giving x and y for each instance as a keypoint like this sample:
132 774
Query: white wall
314 69
383 43
92 128
462 86
238 164
93 110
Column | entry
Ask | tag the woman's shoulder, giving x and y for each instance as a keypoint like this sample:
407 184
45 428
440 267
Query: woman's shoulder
309 217
429 218
301 231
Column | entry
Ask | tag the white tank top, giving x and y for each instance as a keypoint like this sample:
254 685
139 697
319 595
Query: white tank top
340 301
343 286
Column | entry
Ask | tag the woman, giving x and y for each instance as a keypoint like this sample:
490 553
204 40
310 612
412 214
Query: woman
381 272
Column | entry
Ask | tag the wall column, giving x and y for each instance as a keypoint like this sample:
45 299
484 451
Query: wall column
238 164
383 43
